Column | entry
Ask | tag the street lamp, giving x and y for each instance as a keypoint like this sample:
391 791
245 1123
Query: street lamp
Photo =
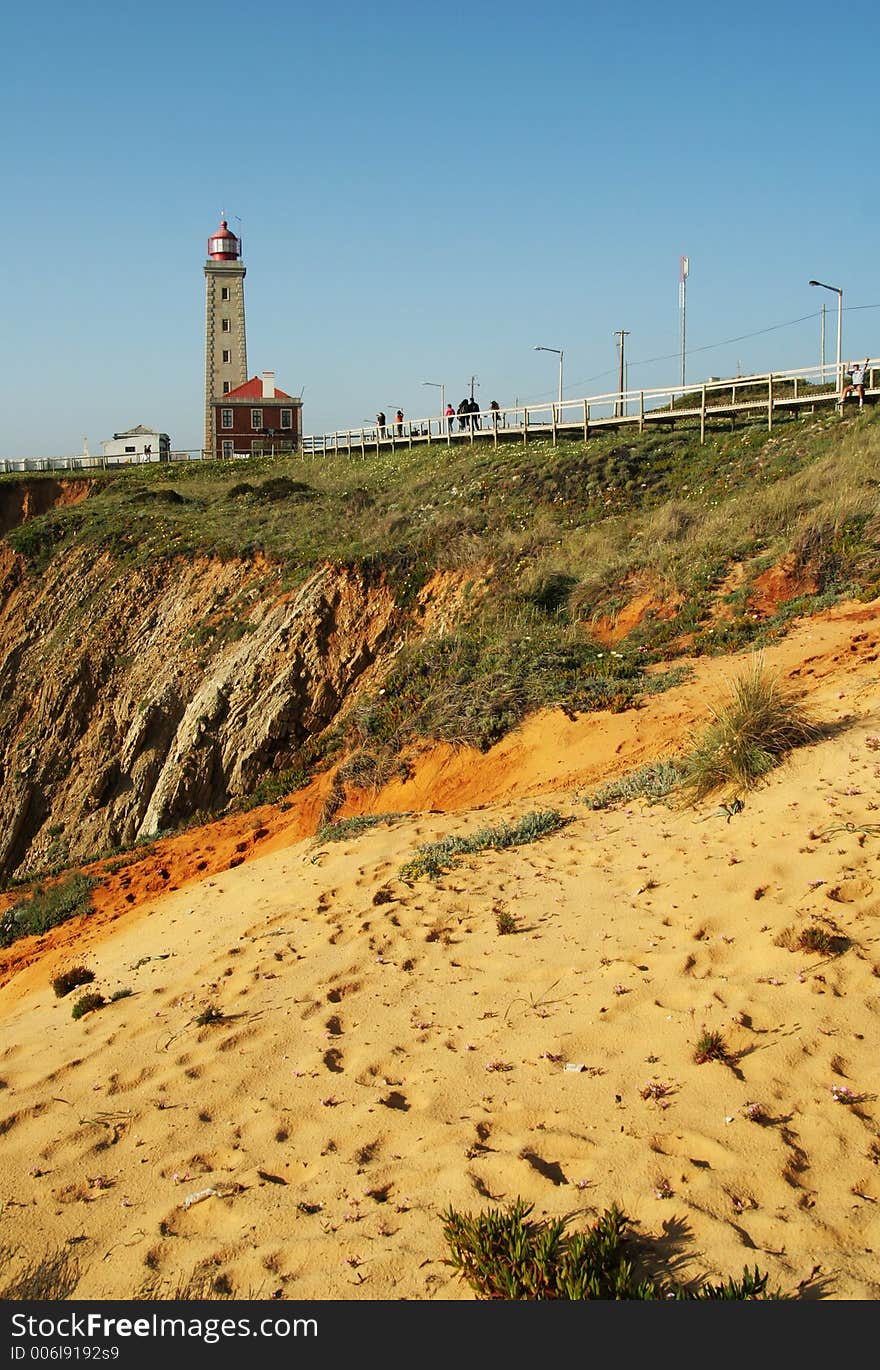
438 385
558 352
839 293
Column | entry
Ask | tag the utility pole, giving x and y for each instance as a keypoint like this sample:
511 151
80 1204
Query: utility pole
682 306
473 378
620 334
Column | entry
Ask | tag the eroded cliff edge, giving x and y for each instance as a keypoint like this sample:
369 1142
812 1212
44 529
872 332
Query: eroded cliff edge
134 699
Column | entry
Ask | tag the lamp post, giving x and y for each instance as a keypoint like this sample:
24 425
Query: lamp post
558 352
439 385
839 293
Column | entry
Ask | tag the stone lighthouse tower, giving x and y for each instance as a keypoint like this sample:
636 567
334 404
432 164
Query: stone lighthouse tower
225 345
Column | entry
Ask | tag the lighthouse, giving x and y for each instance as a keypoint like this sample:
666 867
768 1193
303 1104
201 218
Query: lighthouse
225 343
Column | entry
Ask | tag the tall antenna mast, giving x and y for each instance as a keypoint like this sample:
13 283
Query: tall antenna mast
682 309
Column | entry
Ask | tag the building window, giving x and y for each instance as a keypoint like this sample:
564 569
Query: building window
224 292
287 418
224 324
130 449
228 447
256 419
225 418
226 354
257 449
226 387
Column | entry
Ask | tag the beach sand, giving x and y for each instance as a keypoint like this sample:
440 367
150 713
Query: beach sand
383 1052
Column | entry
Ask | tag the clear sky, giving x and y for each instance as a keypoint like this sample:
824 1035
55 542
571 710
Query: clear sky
424 193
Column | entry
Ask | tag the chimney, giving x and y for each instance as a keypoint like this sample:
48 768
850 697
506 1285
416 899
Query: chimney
268 385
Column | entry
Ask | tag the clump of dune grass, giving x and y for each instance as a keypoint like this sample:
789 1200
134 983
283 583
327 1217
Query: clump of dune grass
751 732
343 828
50 1277
815 938
433 858
653 783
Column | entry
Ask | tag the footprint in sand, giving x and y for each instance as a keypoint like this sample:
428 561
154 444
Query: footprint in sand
395 1099
848 891
338 992
332 1059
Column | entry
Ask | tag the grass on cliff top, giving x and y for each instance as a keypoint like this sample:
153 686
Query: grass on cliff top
569 527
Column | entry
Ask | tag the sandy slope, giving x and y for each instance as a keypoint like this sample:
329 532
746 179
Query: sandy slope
385 1052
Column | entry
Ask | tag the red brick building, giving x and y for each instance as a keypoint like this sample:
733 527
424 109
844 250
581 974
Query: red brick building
256 419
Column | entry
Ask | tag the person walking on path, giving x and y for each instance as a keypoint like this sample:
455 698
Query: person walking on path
857 382
474 407
464 415
450 418
496 413
380 421
398 422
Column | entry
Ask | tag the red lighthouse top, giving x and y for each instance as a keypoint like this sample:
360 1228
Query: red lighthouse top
223 246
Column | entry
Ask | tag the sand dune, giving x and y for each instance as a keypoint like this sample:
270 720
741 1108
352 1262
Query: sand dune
382 1051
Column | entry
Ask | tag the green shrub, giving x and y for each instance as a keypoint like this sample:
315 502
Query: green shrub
501 1254
751 733
87 1003
71 979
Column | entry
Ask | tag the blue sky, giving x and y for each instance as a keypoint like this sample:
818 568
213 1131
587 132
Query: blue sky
423 193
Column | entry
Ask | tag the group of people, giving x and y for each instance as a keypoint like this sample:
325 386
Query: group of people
382 424
468 415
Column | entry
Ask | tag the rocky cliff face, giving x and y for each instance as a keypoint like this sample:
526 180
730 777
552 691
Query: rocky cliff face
133 699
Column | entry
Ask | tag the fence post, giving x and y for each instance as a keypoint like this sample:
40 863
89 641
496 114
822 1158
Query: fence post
703 413
770 402
553 423
586 419
525 425
641 411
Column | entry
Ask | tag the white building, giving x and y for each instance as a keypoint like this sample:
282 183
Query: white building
137 445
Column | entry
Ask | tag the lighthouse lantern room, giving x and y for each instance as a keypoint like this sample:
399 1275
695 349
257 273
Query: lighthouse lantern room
223 246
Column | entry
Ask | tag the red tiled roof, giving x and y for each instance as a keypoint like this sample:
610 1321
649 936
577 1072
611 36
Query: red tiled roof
253 390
